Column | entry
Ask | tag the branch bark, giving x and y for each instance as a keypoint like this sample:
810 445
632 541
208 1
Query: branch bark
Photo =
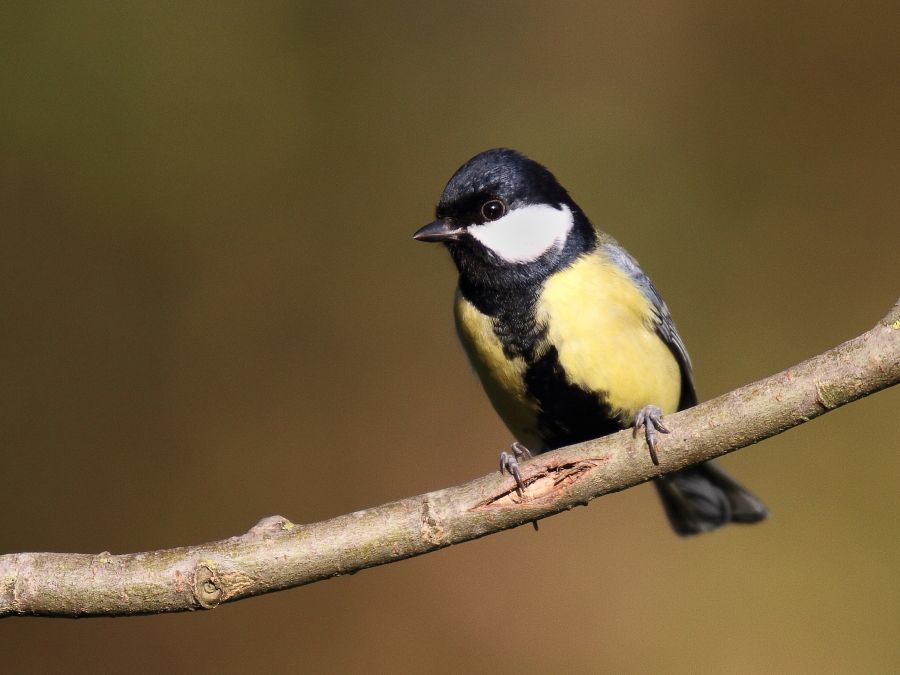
277 554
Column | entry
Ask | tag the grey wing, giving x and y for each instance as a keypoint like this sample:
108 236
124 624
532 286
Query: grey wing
665 326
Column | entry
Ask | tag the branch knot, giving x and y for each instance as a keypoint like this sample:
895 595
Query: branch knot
207 587
432 528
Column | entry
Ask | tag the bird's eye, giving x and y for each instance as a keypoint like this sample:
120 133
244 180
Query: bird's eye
493 209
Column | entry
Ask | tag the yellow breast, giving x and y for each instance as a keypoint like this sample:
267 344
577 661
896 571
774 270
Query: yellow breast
502 377
602 327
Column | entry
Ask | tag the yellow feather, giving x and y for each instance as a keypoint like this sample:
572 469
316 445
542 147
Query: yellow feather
501 377
601 325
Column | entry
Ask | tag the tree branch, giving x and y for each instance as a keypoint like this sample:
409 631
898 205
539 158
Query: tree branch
277 554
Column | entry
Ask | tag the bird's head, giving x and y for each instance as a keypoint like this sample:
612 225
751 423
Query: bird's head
503 212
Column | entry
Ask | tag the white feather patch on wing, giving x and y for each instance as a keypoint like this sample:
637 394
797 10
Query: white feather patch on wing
524 234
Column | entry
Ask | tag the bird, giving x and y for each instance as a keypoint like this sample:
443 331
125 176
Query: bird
569 337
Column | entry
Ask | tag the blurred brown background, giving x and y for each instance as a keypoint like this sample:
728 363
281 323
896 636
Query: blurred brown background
213 311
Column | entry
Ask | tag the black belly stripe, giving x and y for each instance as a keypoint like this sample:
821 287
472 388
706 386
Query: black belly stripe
512 312
508 294
569 414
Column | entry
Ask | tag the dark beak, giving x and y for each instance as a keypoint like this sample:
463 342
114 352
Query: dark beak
439 230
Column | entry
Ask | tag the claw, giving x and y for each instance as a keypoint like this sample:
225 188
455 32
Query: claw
520 451
509 463
650 417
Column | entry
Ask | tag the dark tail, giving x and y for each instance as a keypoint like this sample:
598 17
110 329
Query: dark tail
704 498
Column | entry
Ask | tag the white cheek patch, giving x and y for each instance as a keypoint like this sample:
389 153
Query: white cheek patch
525 234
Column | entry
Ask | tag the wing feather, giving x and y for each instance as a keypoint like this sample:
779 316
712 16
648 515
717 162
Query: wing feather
665 326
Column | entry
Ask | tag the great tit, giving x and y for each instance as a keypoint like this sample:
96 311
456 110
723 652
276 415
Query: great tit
571 340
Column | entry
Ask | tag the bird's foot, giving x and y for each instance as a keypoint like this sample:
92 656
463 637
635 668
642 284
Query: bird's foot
650 417
509 463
